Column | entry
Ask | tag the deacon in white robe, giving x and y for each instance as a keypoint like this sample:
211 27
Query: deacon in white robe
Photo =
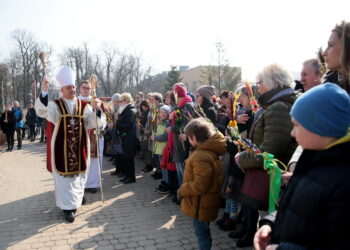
95 167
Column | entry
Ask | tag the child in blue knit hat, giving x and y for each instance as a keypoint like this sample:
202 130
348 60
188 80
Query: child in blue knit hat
314 209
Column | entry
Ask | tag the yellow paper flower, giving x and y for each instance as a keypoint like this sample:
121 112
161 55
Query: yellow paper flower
233 124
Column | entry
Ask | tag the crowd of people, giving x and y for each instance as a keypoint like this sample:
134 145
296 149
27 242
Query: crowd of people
208 151
15 121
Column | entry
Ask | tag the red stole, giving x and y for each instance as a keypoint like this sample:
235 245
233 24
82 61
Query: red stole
70 147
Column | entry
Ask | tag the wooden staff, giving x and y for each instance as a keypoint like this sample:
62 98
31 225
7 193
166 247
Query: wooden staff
42 57
94 83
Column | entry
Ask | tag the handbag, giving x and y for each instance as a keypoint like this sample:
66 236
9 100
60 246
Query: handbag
118 145
255 189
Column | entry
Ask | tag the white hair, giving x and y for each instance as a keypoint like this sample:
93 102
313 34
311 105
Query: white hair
126 97
275 76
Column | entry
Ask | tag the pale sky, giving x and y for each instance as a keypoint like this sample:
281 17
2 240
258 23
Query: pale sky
182 32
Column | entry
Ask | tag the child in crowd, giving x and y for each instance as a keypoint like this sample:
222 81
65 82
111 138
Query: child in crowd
200 190
143 138
160 139
232 175
313 212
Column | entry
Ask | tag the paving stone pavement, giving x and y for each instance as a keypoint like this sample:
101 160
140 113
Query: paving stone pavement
132 216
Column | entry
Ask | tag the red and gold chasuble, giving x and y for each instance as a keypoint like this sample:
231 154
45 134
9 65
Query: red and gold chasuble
70 147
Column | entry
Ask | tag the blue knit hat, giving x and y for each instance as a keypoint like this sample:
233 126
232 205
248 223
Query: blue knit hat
324 110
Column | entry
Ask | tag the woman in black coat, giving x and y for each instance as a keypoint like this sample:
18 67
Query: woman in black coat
8 125
126 129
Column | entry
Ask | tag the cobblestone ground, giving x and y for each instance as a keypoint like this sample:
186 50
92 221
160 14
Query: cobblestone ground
132 216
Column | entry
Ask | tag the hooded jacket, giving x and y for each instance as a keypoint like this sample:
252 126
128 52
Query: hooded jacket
313 211
202 181
271 129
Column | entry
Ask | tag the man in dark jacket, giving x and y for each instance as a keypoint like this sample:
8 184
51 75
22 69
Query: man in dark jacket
31 120
313 212
19 123
8 125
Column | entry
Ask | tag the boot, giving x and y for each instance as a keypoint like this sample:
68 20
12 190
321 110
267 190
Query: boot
148 168
157 175
252 217
163 189
222 220
229 224
238 233
160 186
246 240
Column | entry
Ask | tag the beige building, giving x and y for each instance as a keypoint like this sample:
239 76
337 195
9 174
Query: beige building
204 75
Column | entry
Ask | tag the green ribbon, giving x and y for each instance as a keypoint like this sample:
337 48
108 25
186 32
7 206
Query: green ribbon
275 173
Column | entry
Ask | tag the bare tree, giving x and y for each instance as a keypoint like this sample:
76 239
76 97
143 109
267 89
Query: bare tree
4 74
222 75
24 65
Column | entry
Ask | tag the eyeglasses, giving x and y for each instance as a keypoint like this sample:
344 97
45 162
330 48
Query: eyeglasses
259 83
86 88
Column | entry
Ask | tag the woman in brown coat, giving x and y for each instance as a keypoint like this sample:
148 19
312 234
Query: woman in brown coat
200 190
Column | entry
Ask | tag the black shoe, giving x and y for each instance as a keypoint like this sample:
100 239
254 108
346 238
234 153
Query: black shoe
157 176
83 202
222 220
129 180
91 190
69 215
8 150
163 190
175 200
111 159
148 168
237 234
41 141
123 179
246 241
229 224
19 147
